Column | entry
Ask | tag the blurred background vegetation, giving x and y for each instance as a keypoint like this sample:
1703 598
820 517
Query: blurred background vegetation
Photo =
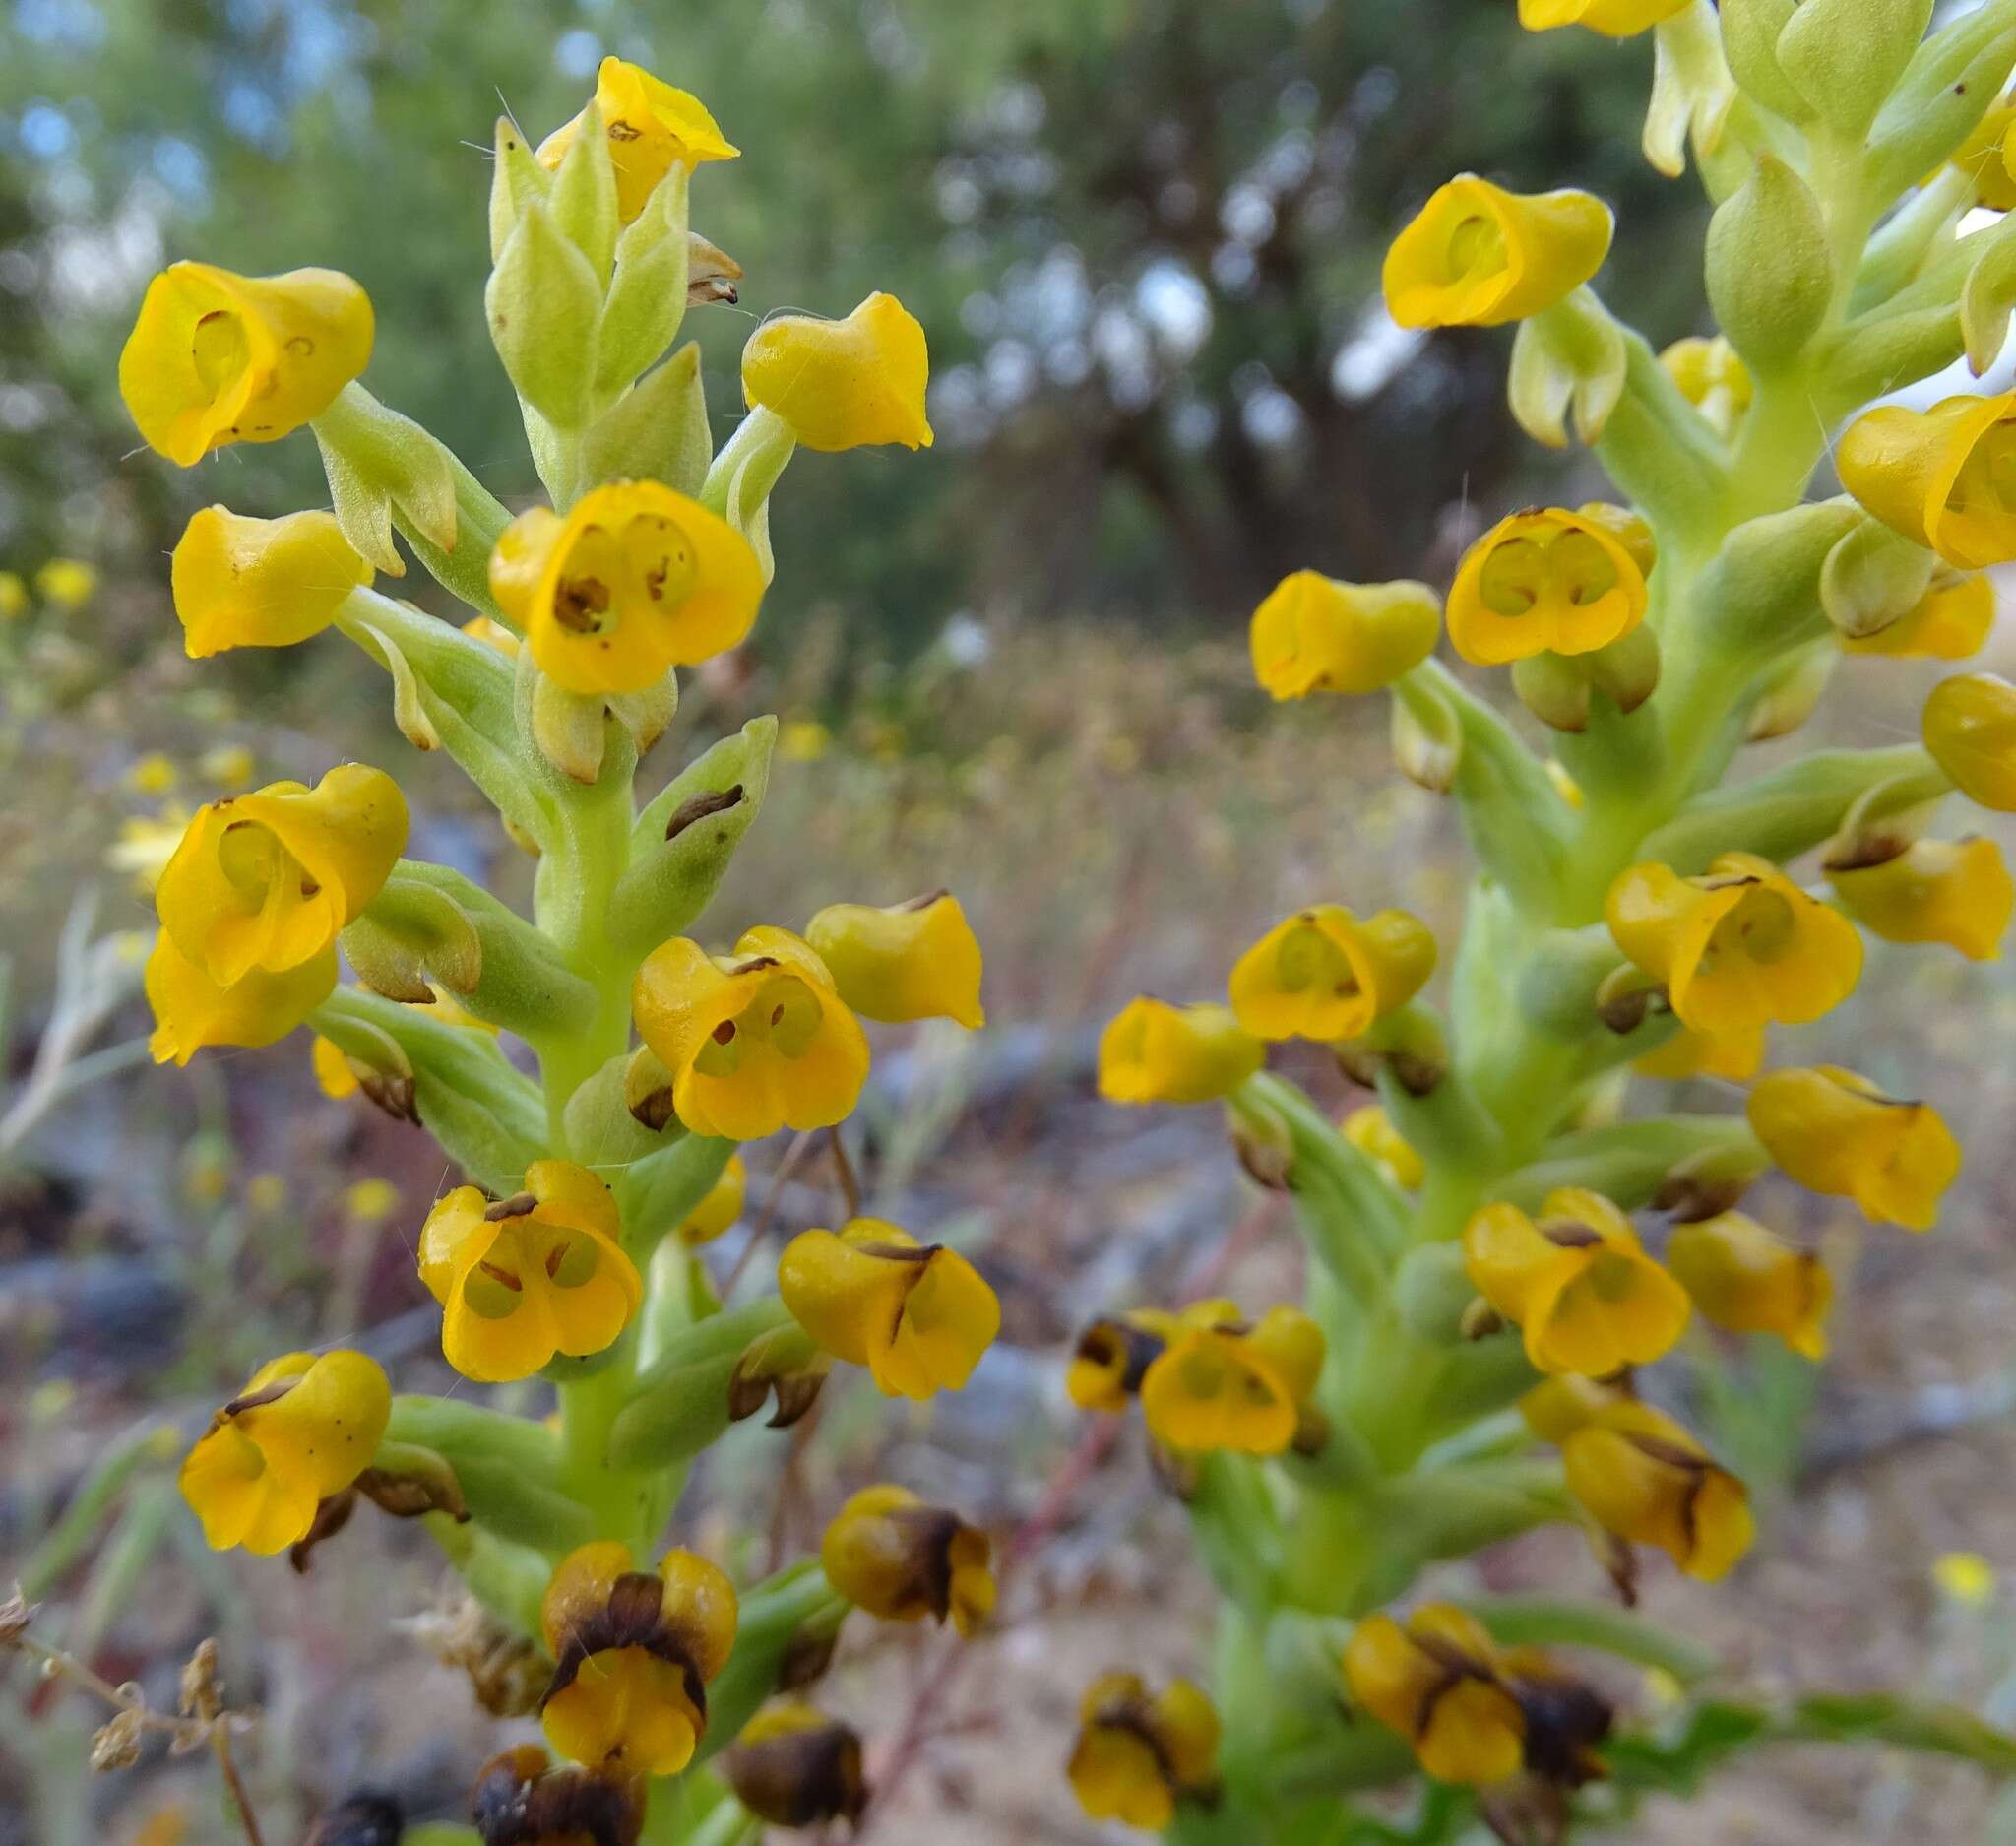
1144 237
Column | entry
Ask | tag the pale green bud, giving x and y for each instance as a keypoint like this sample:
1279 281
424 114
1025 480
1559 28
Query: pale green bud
1846 56
1793 692
647 297
1763 588
682 843
1873 577
1749 39
515 181
1769 271
543 301
1428 739
1556 688
1950 85
583 199
1567 359
656 431
430 922
1431 1293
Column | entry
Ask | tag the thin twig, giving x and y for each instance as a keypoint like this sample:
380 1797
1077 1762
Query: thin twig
923 1721
795 1153
220 1743
850 1186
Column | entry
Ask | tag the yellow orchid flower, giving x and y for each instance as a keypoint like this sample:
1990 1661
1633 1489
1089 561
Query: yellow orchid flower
303 1428
719 1209
651 128
1738 946
757 1041
633 1651
215 358
1749 1280
1834 1131
1941 477
1222 1383
846 384
902 1561
524 1279
635 579
1953 891
1153 1052
918 1316
1640 1477
1138 1754
1544 581
908 961
260 583
1478 256
1315 634
191 1011
1970 729
1323 974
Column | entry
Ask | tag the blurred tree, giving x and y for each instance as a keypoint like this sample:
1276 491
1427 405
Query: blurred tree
1144 235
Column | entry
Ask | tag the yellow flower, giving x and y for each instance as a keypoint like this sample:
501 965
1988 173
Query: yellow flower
803 740
1950 623
146 844
900 1561
191 1011
756 1041
633 1651
370 1201
917 1316
1711 377
1739 946
1952 891
635 579
908 961
1984 157
1315 634
266 1193
264 882
651 128
795 1767
1544 581
1615 19
719 1209
525 1802
66 582
1577 1283
216 358
1370 1130
1113 1357
1970 727
153 774
1478 256
12 596
1138 1754
1435 1682
527 1277
1154 1053
842 384
1943 477
1836 1133
1966 1576
1322 973
303 1428
231 766
1734 1054
1223 1383
1644 1479
260 583
1749 1280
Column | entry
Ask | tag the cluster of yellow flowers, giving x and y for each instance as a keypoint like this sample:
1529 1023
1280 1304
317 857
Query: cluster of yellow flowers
567 1255
1472 1255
